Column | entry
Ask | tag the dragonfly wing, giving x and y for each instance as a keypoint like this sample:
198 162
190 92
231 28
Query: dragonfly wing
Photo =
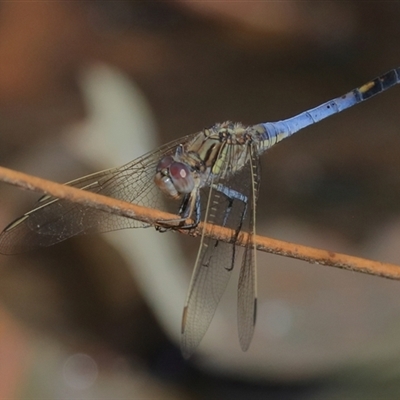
226 206
211 274
208 284
54 220
247 286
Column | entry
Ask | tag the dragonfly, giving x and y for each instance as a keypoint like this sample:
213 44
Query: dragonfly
211 176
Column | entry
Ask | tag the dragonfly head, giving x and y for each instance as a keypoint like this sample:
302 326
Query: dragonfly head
173 178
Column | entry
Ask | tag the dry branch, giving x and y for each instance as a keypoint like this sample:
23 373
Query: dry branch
151 216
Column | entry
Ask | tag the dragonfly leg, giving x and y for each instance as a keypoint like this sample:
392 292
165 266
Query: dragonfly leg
232 195
188 206
168 224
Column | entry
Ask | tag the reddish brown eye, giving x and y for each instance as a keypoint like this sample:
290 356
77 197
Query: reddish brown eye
179 170
164 163
181 177
173 178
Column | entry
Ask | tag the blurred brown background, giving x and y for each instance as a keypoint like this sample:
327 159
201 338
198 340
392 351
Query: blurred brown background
74 320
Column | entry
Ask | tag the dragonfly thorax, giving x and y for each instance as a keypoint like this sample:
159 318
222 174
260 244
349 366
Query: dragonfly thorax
174 178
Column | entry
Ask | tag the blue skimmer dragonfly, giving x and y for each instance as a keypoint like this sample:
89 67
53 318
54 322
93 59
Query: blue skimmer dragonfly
215 176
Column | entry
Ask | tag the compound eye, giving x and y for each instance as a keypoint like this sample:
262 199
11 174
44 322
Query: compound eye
164 163
182 177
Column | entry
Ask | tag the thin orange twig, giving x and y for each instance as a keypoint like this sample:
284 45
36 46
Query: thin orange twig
151 216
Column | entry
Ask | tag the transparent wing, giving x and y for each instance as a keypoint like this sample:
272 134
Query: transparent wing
247 286
215 260
54 220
